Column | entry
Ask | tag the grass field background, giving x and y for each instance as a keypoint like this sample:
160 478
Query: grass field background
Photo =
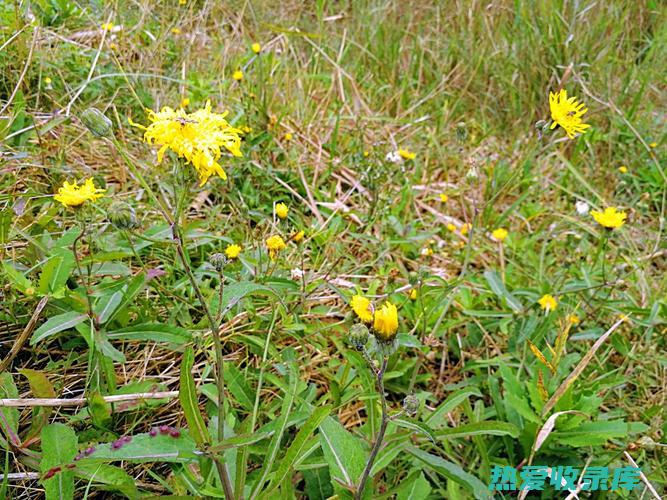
335 90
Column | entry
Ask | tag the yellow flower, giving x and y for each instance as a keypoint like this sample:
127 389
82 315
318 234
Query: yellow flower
288 136
232 251
406 154
444 197
176 31
256 48
366 154
246 129
653 144
465 228
73 195
237 75
363 308
499 234
610 218
281 210
426 252
47 80
197 137
451 227
623 169
182 2
573 319
107 26
185 102
298 237
275 244
385 322
567 113
548 302
413 294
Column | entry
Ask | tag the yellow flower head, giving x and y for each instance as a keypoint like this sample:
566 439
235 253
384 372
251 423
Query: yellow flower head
406 154
47 80
182 2
275 244
567 113
413 294
185 102
366 154
288 136
237 75
573 319
298 237
426 251
653 144
73 195
281 210
451 227
548 303
197 137
363 308
233 251
385 322
176 31
107 26
623 169
465 228
499 234
444 197
610 218
256 48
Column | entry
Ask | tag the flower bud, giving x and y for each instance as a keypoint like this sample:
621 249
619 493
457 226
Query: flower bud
647 443
472 174
122 215
461 131
358 336
218 260
411 405
97 122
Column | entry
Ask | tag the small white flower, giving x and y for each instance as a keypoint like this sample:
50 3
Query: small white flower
582 207
393 157
296 273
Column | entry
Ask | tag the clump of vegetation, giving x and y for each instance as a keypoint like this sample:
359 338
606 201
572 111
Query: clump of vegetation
343 250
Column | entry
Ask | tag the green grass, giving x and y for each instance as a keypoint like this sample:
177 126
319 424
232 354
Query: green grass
461 84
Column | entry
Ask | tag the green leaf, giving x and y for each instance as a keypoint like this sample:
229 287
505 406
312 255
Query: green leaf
99 410
298 445
111 476
498 287
56 272
318 484
106 306
132 289
16 278
438 418
345 454
239 441
40 386
598 433
452 472
416 487
57 324
486 428
415 426
156 332
236 384
59 447
235 292
189 402
146 448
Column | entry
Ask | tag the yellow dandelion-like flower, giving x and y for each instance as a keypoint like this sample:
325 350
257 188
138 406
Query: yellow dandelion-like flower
413 294
609 218
185 102
451 227
182 2
197 137
73 195
444 197
281 210
237 75
363 308
256 48
366 154
406 154
288 136
426 252
298 237
548 302
567 113
465 228
47 80
275 244
233 251
385 322
176 31
107 26
623 169
573 319
499 234
653 144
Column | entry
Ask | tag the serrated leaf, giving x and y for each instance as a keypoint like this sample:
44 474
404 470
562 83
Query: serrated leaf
57 324
189 402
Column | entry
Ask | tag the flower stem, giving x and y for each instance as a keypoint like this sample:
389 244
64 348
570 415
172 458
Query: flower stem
379 380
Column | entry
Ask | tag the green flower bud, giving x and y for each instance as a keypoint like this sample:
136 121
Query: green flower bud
461 131
410 405
218 260
122 215
97 122
358 336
